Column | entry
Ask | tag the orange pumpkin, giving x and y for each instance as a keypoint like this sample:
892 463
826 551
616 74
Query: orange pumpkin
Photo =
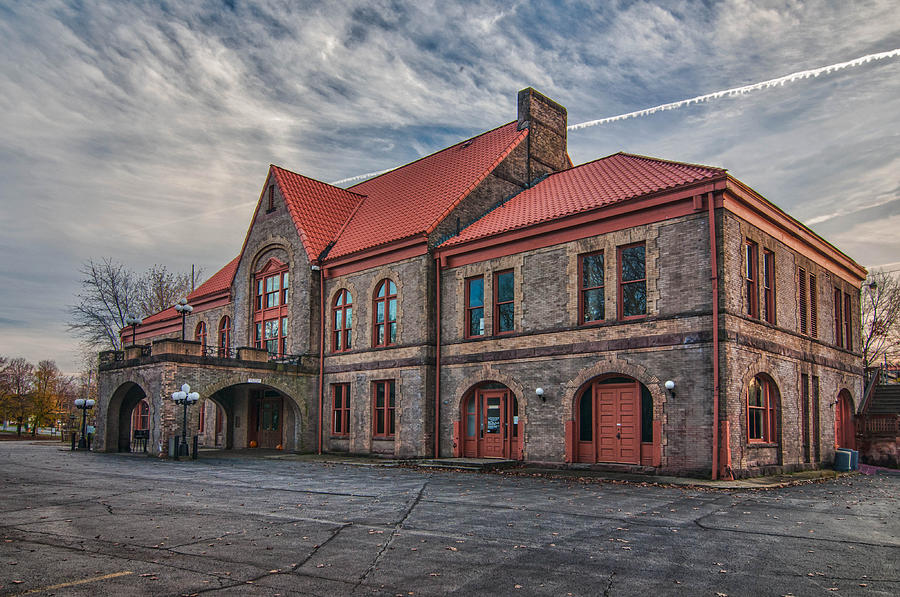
279 447
253 443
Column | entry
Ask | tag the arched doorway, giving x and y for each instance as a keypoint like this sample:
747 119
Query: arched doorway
119 416
613 421
490 423
844 427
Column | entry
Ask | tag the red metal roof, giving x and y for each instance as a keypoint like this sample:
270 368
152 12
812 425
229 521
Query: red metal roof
413 199
317 208
600 183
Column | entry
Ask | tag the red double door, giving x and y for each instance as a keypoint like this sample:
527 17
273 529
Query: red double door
491 425
609 425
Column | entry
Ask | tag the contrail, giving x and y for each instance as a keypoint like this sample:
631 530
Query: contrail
803 74
360 177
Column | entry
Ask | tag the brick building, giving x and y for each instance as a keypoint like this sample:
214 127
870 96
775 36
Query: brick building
493 300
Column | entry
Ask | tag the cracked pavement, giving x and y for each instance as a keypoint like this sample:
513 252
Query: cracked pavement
108 524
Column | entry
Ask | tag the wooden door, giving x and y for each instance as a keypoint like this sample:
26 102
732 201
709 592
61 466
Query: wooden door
267 421
617 423
494 424
844 431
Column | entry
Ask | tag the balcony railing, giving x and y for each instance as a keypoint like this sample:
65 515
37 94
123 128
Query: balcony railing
220 352
178 350
879 425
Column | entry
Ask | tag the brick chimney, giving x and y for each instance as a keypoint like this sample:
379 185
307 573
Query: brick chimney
546 121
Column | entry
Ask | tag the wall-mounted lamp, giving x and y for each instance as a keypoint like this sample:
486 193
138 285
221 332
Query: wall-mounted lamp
670 386
540 393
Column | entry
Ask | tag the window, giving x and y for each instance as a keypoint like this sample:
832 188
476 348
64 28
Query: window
140 419
342 318
848 323
340 409
632 282
383 402
838 317
504 302
385 314
200 334
271 203
270 316
761 405
751 264
475 307
591 304
769 286
224 336
801 292
813 308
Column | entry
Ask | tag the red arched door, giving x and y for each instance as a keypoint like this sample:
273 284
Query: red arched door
609 425
490 423
844 427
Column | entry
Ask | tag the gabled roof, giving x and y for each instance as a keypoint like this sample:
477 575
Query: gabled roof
597 184
317 208
412 199
218 282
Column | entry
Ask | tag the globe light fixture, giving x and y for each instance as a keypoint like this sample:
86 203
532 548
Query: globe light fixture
84 406
133 322
185 397
184 308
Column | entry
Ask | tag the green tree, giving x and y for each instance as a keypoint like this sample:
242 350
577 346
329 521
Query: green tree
17 382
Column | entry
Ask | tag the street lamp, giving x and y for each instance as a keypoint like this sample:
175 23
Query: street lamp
84 405
185 397
184 308
133 322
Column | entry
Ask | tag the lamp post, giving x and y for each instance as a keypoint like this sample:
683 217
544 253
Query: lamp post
134 322
84 405
184 308
185 397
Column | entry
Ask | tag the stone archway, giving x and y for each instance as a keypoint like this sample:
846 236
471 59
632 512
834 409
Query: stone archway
118 416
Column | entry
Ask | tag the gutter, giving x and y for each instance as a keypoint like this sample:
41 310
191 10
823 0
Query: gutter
437 365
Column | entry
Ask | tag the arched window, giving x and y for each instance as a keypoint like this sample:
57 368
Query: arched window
385 310
224 336
762 405
271 308
342 308
200 334
140 417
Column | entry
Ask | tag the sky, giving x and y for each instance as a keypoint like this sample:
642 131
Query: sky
143 131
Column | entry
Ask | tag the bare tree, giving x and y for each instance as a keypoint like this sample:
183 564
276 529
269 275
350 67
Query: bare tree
159 289
107 296
110 292
18 386
880 312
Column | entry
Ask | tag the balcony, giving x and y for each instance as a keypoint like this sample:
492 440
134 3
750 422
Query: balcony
192 352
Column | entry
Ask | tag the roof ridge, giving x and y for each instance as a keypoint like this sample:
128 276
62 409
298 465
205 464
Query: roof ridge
435 152
277 167
665 161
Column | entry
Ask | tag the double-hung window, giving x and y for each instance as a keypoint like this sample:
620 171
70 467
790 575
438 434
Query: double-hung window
504 302
768 280
751 265
848 323
838 317
475 306
632 281
383 404
591 303
340 409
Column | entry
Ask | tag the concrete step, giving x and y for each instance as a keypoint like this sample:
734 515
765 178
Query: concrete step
467 464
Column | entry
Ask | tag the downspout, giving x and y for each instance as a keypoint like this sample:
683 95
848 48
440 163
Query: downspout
715 331
321 351
437 361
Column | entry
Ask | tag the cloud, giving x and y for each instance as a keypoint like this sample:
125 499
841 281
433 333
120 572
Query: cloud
145 131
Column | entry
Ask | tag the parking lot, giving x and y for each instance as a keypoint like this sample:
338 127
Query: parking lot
106 524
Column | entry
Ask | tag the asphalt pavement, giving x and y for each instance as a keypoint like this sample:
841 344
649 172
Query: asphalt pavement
74 523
